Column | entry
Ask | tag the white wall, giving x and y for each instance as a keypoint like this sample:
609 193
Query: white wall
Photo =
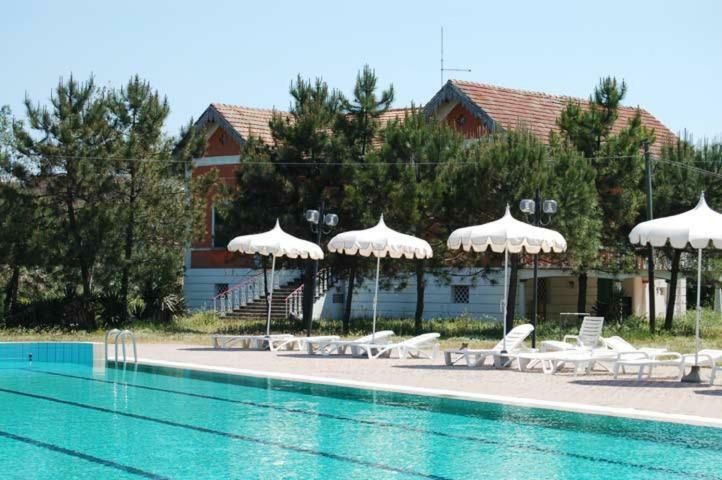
484 299
199 284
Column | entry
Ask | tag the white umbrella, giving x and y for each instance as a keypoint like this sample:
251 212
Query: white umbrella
507 235
380 241
697 227
276 243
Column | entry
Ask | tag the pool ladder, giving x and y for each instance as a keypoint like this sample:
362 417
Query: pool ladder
120 336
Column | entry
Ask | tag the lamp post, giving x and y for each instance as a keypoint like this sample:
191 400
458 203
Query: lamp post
536 207
321 223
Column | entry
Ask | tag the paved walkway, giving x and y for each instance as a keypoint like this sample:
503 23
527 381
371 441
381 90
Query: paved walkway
663 395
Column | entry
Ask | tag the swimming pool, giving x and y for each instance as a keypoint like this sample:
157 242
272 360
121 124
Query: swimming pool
69 420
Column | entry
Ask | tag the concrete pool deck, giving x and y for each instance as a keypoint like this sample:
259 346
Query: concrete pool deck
662 398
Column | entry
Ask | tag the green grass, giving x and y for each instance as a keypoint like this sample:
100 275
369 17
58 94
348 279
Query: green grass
197 327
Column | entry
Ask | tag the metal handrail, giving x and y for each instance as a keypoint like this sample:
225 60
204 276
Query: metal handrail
294 300
249 290
121 335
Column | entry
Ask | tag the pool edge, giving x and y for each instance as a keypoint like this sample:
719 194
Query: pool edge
452 394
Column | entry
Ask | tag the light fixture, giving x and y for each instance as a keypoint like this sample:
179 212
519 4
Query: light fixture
527 206
549 207
330 219
312 216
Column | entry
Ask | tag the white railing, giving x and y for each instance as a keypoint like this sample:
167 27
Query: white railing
120 335
294 301
252 288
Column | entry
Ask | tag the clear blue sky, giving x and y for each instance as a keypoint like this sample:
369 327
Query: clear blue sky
670 53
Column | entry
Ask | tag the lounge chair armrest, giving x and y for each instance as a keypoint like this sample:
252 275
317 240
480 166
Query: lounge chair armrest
700 357
632 355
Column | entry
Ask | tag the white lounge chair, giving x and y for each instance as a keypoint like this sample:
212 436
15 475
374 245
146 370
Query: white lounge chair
643 360
328 347
476 357
300 343
416 347
589 337
705 358
250 342
620 345
551 362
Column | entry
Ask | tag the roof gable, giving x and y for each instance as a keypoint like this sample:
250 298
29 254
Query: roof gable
505 108
240 122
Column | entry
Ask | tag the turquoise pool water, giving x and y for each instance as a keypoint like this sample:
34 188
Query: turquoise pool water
67 420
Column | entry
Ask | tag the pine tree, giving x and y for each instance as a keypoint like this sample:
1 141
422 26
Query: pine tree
358 127
139 115
70 144
407 188
617 160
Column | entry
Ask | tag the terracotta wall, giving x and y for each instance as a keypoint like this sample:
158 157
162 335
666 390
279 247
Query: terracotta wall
221 143
462 120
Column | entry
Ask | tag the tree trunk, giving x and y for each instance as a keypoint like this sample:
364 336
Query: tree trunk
265 279
513 280
72 221
308 296
582 293
11 292
128 251
420 287
669 317
349 297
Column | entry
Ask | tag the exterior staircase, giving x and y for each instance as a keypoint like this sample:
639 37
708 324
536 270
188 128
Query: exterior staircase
258 309
247 299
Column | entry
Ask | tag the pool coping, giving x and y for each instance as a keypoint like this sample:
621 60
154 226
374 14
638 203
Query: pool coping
633 413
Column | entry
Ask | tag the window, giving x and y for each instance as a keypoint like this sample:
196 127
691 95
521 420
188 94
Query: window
460 294
221 227
221 287
460 121
338 298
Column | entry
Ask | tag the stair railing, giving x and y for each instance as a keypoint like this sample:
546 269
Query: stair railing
252 288
294 301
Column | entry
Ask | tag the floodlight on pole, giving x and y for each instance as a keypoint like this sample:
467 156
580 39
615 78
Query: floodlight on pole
535 208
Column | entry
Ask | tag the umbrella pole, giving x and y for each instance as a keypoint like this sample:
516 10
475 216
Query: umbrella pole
270 297
506 295
376 298
693 375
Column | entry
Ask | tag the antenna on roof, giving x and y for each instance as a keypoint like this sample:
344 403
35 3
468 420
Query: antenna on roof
442 70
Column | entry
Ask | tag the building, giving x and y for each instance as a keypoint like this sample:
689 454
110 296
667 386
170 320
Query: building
475 110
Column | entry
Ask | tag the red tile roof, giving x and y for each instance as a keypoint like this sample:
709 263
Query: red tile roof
247 121
394 114
537 111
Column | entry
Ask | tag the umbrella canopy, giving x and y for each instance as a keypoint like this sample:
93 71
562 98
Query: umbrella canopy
380 241
276 243
700 227
507 235
697 227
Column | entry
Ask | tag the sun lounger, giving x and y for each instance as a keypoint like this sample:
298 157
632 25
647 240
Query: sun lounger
250 342
328 347
551 362
620 345
589 337
705 358
416 347
643 360
301 343
476 357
